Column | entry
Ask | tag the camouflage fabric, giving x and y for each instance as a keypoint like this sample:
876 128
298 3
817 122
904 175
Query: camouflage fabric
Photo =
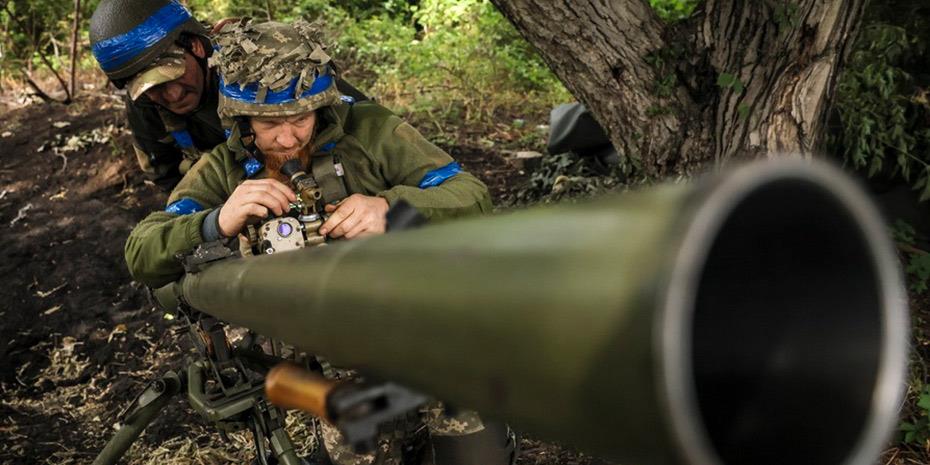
389 450
398 443
170 66
269 58
441 423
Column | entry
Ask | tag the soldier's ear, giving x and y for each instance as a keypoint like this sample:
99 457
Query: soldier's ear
197 49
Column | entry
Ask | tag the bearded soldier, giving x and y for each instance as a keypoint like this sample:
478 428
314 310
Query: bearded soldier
279 101
158 52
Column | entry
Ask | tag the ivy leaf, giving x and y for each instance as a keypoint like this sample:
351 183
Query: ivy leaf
743 110
924 401
730 81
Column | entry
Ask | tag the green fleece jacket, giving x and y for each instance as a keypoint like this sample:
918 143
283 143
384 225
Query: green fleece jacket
381 156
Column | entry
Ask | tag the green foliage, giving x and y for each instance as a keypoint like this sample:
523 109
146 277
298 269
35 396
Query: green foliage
674 10
882 103
786 15
730 81
918 261
917 431
37 27
459 58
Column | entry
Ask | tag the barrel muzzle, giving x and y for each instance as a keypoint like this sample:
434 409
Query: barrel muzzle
782 334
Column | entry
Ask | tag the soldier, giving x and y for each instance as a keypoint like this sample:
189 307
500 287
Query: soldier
158 52
278 98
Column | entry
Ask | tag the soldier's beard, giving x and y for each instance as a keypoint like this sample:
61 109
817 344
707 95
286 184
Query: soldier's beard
275 160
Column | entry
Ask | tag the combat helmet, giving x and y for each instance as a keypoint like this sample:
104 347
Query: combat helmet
127 36
270 69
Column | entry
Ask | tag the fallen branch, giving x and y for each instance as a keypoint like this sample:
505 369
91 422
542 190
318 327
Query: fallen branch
44 294
41 93
21 214
64 164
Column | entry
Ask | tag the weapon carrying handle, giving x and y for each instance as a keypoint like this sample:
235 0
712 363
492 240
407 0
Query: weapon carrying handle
290 386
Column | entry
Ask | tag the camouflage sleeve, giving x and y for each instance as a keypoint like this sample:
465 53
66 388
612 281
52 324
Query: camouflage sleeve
157 155
426 176
154 242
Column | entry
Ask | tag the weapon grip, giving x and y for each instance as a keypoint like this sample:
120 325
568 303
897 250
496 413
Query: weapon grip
290 386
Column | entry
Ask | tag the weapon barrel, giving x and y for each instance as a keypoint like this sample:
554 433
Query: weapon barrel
755 317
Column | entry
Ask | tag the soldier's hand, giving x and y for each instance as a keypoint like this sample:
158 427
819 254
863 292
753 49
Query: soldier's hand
252 201
357 215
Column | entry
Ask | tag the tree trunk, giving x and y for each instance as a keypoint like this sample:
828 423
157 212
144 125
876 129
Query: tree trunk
75 28
737 79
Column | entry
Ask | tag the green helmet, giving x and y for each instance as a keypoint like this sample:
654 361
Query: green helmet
272 69
127 36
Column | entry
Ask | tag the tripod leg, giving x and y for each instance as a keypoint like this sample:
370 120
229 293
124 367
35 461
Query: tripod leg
283 448
269 420
145 408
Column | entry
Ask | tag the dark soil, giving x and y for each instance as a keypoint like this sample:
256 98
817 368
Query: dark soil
79 338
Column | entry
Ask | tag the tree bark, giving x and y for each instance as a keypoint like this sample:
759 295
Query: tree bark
738 79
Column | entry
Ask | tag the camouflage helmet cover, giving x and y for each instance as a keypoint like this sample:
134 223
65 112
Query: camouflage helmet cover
272 69
127 36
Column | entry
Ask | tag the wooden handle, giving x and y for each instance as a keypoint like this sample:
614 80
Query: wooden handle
293 387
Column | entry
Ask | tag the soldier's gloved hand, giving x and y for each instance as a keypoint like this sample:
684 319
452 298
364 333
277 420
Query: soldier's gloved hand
252 201
357 215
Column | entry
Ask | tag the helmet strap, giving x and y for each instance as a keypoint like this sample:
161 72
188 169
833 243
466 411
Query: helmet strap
247 138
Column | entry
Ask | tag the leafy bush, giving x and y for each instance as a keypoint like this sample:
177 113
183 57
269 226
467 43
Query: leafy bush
884 114
917 261
674 10
459 58
882 96
31 28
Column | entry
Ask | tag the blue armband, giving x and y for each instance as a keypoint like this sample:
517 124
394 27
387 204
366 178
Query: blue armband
440 175
185 206
183 139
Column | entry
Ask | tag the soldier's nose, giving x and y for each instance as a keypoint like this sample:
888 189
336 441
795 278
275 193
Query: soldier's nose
286 139
172 92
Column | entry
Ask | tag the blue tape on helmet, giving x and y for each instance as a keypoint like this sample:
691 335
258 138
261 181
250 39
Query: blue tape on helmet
440 175
249 93
118 50
251 166
183 138
185 206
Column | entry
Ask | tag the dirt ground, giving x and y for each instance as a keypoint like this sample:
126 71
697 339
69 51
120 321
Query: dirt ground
79 339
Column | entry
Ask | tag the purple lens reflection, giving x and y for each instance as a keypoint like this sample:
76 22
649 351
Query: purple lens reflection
285 229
